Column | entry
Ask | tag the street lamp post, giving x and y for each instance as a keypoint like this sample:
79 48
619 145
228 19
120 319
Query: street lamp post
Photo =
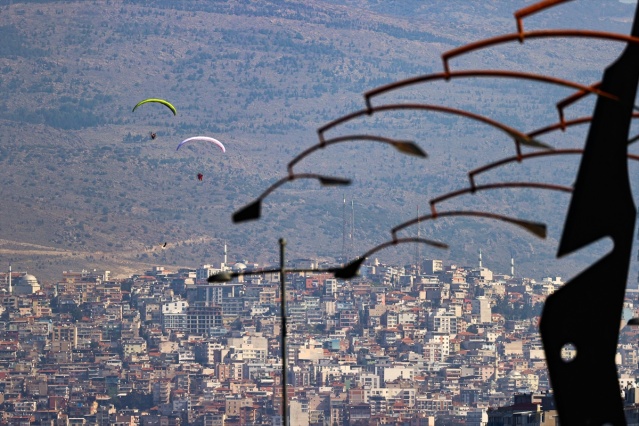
252 211
347 271
285 419
226 276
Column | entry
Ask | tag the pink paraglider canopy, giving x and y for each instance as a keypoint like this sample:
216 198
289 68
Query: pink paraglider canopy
202 138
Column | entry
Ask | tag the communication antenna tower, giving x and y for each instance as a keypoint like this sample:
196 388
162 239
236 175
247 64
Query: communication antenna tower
417 254
344 230
352 233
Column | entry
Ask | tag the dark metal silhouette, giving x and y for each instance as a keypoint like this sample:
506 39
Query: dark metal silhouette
601 206
406 147
284 346
520 138
563 124
532 9
253 210
347 271
569 100
475 188
351 269
575 97
531 35
226 276
535 228
474 172
583 89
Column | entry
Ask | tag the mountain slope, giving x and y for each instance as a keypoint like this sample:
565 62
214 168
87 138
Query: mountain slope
81 175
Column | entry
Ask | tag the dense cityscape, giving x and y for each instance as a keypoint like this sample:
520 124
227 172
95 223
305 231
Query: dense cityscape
135 132
427 344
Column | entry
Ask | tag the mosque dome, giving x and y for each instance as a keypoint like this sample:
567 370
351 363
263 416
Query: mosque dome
28 284
239 266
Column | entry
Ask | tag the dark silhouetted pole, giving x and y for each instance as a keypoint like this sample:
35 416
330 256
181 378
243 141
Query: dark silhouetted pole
285 421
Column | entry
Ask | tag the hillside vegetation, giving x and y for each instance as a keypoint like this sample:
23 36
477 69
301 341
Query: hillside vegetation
84 186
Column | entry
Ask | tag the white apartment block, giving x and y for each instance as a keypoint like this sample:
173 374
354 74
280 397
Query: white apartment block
174 315
251 348
369 381
442 321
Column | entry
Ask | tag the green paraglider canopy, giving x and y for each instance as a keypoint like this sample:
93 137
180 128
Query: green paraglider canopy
160 101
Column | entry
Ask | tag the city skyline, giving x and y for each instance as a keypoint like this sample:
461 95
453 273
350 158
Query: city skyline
433 296
451 333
